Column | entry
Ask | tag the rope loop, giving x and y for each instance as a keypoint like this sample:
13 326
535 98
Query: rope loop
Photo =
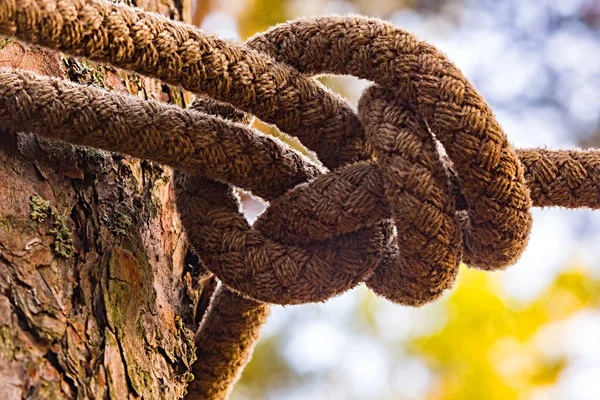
253 261
419 179
317 240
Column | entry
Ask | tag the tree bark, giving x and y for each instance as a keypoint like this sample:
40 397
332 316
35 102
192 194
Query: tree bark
97 289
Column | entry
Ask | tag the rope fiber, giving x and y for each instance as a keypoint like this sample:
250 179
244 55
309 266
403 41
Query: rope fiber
386 208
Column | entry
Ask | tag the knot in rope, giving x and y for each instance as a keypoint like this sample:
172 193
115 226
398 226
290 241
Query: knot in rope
321 238
324 237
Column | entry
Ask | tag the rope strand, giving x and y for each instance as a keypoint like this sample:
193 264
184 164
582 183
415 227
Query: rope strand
185 56
231 327
184 139
224 344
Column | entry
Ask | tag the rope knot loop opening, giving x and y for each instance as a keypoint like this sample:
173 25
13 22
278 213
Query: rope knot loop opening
323 237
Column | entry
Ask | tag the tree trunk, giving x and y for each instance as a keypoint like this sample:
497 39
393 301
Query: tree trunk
96 287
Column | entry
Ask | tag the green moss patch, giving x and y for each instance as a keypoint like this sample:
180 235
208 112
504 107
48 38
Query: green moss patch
42 211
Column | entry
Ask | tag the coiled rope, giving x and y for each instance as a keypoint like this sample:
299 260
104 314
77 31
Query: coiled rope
394 213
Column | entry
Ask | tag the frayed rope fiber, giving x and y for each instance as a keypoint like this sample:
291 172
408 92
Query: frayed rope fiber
387 208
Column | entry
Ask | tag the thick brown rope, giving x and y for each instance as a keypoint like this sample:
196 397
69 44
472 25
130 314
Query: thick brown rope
183 55
225 342
27 102
490 176
227 335
317 239
185 139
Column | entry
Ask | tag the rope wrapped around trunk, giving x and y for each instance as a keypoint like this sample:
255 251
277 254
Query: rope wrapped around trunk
387 207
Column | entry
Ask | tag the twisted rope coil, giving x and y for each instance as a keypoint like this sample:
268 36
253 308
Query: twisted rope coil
320 238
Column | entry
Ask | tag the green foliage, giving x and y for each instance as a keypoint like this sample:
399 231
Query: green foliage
268 370
259 15
486 348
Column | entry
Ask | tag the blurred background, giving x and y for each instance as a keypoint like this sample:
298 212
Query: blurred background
531 332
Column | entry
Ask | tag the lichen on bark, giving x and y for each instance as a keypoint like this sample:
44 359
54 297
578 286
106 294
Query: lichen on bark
42 211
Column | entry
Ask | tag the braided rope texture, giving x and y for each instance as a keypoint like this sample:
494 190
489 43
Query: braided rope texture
225 340
227 335
394 212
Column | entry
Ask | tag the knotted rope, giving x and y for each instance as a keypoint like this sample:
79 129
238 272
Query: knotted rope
323 232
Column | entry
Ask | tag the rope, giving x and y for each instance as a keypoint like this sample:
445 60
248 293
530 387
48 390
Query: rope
227 335
184 139
226 338
182 55
323 233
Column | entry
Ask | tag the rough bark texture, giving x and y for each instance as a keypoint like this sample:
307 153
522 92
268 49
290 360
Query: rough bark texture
97 293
